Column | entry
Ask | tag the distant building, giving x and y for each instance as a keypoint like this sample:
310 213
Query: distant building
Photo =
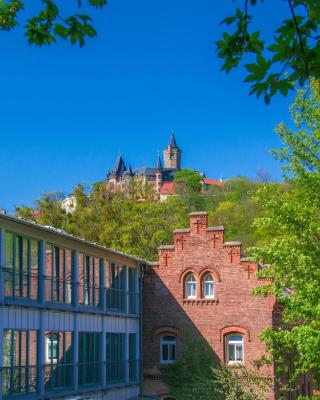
119 178
159 177
69 204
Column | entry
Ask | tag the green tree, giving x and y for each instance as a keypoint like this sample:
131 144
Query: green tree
293 254
48 25
187 181
292 55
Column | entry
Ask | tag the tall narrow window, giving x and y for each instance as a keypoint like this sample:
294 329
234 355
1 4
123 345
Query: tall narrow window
191 287
116 294
115 356
19 375
89 358
133 362
168 350
133 292
21 268
58 272
58 354
234 349
208 287
89 270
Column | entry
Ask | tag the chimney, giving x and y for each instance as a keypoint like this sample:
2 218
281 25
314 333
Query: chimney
198 222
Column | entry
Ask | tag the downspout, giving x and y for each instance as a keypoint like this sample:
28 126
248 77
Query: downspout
141 328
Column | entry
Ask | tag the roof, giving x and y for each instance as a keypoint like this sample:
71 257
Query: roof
172 141
159 164
212 182
66 235
167 188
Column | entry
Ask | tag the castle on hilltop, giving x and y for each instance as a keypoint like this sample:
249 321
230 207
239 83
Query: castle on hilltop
119 178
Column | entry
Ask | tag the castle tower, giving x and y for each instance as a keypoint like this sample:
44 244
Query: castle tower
159 176
172 154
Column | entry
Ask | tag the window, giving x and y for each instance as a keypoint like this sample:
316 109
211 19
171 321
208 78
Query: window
52 348
58 272
115 356
21 266
58 355
234 349
19 359
89 270
168 350
133 292
116 294
133 362
89 358
191 287
208 287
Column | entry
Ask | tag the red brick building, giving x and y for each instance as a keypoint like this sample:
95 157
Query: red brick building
203 285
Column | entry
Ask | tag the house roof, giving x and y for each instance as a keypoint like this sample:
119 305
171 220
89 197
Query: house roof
167 188
212 182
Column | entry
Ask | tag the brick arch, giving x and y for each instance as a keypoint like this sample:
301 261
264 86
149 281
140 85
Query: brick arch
212 271
164 330
235 329
187 272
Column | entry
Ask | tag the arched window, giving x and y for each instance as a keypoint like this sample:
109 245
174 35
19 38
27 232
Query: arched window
208 286
234 349
191 287
167 350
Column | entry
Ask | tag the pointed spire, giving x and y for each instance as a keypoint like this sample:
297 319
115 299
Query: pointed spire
119 166
130 172
172 141
159 163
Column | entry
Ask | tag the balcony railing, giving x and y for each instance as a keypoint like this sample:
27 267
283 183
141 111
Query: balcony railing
19 380
89 373
58 376
58 290
21 284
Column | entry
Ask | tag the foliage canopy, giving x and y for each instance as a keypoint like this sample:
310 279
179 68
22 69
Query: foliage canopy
292 55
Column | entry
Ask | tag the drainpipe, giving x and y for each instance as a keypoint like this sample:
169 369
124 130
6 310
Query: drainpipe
141 328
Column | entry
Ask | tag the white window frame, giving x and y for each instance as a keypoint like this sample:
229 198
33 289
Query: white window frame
205 282
170 344
188 284
234 343
48 342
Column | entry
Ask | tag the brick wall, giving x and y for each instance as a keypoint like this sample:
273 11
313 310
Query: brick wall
200 250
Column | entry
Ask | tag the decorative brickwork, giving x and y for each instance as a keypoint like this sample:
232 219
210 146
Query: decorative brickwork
200 250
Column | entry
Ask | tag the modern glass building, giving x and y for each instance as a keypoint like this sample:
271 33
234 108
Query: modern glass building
70 316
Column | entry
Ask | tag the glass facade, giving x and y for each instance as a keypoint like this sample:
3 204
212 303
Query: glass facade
115 357
89 358
21 266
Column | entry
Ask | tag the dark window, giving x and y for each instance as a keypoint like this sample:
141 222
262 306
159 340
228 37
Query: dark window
167 350
133 361
115 356
89 358
116 294
22 265
133 292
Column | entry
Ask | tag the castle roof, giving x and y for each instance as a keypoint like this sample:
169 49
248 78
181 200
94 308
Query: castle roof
172 141
119 166
159 164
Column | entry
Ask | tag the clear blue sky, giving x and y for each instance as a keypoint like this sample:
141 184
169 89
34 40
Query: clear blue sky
67 112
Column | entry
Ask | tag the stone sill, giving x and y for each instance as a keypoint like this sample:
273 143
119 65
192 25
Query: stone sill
200 301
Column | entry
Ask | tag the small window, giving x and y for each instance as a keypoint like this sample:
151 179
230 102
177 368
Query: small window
52 348
191 287
208 287
234 349
168 350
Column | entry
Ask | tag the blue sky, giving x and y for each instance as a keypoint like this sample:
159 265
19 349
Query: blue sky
67 112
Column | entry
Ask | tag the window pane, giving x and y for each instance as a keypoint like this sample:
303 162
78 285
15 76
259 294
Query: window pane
239 355
165 355
9 249
173 352
231 356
